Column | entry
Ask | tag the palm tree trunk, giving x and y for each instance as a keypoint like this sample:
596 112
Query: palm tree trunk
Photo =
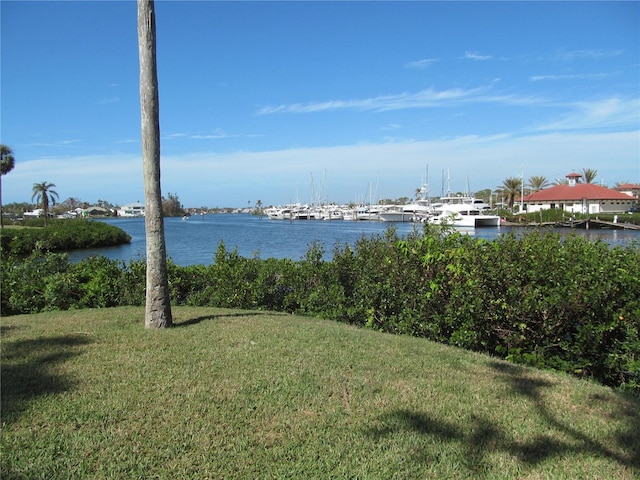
158 302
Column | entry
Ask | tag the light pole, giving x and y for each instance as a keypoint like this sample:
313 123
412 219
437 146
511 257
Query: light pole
522 193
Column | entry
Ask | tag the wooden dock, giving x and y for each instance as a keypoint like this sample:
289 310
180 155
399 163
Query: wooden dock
583 224
611 225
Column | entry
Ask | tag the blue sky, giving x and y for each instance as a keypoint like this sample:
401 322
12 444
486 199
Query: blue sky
284 101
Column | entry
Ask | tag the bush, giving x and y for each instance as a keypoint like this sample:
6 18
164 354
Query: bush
61 235
37 283
101 280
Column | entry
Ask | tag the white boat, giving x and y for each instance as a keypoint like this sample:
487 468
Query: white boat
411 212
470 218
417 211
279 213
349 213
333 213
395 213
463 211
303 212
368 213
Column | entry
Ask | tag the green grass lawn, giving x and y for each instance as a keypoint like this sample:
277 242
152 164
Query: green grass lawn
237 394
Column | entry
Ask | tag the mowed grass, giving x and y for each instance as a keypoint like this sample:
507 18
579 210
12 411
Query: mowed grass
238 394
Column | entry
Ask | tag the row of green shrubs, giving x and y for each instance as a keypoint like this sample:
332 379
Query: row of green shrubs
61 235
567 304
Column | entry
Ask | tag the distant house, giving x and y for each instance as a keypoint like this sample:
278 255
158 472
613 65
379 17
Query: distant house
576 197
630 189
131 210
95 212
38 212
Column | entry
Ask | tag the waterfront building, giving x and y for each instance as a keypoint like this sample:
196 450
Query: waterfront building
578 197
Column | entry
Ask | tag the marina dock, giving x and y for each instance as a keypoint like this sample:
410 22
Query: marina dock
584 224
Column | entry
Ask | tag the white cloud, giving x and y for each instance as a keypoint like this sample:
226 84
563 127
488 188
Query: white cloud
279 176
420 64
110 100
610 112
476 56
276 176
216 134
583 76
58 144
422 99
570 55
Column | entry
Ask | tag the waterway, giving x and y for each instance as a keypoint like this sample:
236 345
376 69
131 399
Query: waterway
195 241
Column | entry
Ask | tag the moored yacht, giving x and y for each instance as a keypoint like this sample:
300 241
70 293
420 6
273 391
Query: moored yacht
463 211
280 213
395 213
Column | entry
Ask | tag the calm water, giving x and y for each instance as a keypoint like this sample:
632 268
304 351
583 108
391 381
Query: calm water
194 241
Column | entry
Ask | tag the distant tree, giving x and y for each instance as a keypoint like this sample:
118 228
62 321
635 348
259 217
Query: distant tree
259 210
484 195
44 196
71 203
562 181
158 301
511 188
17 208
105 204
537 183
7 163
171 207
589 175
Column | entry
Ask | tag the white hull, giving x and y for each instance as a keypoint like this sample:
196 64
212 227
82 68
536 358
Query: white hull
280 214
368 216
463 211
332 215
395 216
468 221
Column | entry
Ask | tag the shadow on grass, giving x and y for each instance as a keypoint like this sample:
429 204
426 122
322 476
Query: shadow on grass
480 436
628 439
27 370
5 329
195 321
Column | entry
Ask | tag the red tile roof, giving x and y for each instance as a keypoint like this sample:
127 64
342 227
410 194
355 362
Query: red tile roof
628 186
577 192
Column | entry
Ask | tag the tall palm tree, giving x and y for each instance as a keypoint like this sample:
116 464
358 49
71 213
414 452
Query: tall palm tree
44 195
511 188
158 301
589 175
537 183
7 162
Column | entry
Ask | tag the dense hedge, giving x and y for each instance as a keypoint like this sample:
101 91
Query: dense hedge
568 304
61 235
